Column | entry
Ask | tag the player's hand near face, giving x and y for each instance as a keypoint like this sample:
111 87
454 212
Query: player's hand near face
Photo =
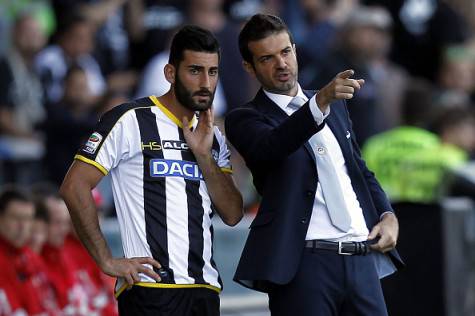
200 139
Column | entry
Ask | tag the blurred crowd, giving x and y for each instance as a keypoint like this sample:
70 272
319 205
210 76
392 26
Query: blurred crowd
44 269
63 63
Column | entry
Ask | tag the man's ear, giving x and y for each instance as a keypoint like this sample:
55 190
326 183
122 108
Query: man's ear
295 49
170 73
249 68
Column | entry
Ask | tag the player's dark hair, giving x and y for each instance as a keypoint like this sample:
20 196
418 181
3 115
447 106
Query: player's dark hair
193 38
259 27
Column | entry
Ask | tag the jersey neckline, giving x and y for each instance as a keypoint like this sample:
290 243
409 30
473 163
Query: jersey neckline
169 114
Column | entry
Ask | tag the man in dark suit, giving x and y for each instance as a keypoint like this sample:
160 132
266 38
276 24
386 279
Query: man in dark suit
325 232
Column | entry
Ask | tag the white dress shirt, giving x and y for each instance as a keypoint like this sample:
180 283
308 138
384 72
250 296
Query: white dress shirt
320 226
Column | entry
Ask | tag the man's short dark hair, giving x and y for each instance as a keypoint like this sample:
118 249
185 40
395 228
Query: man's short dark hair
193 38
10 194
258 27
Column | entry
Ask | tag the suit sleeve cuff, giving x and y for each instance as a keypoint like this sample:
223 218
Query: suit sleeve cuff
384 213
318 115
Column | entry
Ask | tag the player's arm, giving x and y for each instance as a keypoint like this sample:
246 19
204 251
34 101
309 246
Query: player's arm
222 189
76 192
223 192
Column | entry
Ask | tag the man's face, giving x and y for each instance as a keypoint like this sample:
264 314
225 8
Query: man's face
39 235
196 79
16 222
76 90
59 225
275 63
79 40
29 36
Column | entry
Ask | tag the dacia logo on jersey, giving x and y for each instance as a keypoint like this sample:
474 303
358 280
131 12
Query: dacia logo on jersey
92 143
175 168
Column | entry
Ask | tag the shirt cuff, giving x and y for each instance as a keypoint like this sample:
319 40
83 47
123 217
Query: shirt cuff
318 115
381 217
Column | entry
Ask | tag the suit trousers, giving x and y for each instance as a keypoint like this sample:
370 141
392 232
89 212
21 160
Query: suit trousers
329 284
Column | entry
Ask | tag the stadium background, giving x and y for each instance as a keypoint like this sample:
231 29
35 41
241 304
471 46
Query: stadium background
65 62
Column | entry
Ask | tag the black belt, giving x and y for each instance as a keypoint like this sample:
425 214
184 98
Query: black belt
342 248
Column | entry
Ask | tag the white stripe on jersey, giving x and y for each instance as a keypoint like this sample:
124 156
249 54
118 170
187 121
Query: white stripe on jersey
129 199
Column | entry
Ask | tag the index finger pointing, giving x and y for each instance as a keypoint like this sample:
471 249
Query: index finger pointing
345 74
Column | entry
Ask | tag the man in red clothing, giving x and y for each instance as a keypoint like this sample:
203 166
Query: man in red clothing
61 265
24 287
76 279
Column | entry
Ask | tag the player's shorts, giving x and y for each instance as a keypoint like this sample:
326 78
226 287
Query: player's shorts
146 301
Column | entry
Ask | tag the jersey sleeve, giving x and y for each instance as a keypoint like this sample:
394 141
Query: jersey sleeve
108 144
224 154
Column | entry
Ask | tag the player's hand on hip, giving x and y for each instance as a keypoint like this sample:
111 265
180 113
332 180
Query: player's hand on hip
341 87
201 138
129 268
387 230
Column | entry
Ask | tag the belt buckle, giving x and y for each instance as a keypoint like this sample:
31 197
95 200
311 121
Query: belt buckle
340 250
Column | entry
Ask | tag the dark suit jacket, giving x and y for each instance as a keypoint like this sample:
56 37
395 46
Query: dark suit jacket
274 146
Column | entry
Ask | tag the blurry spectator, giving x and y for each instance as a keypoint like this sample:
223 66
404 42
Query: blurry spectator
68 123
21 107
456 126
71 297
115 21
75 45
456 79
316 28
411 162
240 10
39 230
24 287
422 29
158 19
98 286
80 288
110 100
40 10
210 15
364 46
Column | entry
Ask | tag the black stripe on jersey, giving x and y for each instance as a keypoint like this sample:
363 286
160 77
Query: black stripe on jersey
195 222
154 191
107 122
215 149
213 264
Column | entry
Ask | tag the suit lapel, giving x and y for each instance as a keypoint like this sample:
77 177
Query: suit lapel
266 105
276 114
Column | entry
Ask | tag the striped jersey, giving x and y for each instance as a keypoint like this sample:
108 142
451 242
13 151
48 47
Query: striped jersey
162 202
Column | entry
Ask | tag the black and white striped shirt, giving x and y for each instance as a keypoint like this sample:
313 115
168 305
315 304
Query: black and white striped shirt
162 202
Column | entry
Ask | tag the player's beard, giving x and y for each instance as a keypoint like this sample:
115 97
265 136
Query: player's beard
185 96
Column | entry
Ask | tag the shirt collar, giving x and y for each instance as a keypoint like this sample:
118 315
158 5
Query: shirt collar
283 100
